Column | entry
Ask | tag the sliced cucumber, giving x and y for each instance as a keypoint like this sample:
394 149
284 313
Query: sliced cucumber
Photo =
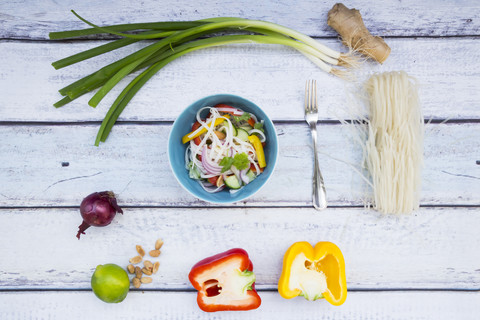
251 176
224 129
242 134
234 130
246 127
232 182
193 171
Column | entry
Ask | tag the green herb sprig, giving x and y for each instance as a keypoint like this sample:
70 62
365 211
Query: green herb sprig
239 161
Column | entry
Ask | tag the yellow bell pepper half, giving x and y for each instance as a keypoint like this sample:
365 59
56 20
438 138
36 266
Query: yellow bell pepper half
314 272
257 145
197 133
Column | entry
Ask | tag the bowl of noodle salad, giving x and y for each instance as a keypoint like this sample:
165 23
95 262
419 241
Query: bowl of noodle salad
222 148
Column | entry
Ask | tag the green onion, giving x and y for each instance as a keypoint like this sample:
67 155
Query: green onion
84 55
100 77
173 40
166 26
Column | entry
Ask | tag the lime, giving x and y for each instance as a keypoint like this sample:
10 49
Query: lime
110 283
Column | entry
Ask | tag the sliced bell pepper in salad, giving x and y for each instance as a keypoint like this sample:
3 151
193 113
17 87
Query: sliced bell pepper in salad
216 181
225 282
220 154
195 126
198 132
225 108
257 145
314 273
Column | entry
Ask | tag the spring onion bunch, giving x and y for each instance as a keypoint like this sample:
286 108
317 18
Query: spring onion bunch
173 40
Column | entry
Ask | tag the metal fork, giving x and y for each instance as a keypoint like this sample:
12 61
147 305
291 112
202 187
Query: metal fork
311 116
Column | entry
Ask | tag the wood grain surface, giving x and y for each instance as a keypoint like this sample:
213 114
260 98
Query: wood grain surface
421 266
390 305
35 19
134 164
435 248
271 76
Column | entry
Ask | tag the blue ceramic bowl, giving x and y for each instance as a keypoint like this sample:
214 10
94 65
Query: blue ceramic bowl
176 150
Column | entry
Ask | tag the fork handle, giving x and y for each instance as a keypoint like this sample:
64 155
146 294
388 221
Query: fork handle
319 194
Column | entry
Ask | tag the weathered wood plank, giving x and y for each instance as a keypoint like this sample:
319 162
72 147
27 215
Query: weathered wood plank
182 305
432 249
436 248
271 76
35 19
134 164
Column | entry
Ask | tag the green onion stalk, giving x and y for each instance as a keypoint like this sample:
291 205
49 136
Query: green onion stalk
173 40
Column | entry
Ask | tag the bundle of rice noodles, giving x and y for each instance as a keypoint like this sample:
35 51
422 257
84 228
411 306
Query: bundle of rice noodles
393 152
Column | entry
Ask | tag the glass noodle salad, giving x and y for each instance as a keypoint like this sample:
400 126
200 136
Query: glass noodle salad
225 149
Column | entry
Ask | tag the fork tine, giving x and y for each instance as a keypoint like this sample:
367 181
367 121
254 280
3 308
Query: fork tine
310 100
306 96
309 96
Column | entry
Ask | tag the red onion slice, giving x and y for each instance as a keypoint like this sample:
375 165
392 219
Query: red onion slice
210 167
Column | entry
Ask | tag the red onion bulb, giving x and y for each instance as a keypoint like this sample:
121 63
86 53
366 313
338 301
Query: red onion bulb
98 209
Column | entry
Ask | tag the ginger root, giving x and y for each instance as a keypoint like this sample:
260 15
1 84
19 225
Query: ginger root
349 24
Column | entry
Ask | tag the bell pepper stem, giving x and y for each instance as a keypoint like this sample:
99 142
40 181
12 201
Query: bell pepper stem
248 278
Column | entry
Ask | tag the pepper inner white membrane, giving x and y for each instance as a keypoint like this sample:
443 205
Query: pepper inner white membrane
233 283
312 283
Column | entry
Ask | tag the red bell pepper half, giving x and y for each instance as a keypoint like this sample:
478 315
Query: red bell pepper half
225 282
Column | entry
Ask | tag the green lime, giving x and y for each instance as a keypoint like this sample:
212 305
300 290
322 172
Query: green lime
110 283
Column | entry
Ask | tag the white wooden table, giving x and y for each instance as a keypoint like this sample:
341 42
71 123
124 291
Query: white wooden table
423 266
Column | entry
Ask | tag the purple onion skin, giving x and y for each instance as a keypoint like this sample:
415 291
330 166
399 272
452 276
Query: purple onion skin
98 209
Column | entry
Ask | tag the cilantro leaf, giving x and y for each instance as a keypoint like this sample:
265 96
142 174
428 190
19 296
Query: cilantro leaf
258 126
244 117
240 161
226 163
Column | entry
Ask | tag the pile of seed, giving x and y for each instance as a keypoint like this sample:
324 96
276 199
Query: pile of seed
148 269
